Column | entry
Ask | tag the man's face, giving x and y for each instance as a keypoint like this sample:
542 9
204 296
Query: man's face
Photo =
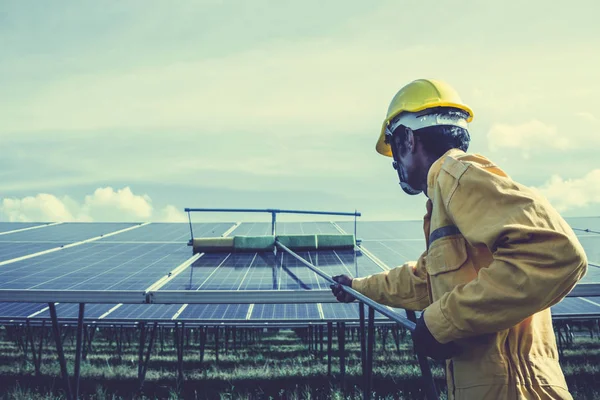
404 161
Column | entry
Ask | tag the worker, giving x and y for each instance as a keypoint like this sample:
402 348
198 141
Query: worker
498 256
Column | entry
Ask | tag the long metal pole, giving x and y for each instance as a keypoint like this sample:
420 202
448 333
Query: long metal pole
59 350
394 316
78 348
270 210
191 229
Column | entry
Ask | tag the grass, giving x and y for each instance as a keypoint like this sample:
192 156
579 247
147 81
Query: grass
279 365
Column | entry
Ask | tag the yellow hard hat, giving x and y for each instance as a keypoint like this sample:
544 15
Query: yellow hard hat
418 96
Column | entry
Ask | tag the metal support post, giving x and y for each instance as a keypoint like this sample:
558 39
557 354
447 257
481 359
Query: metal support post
142 376
234 334
59 350
78 347
329 346
321 341
216 344
141 350
41 346
226 340
363 342
202 342
370 345
342 350
36 360
273 222
179 345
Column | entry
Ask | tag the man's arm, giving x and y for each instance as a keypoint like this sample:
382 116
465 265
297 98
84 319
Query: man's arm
537 259
404 286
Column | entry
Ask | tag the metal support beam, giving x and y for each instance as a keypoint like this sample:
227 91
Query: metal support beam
78 348
59 351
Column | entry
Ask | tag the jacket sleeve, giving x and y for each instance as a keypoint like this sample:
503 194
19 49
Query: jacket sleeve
403 287
537 258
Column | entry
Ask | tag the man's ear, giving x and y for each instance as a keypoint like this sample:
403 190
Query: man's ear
409 141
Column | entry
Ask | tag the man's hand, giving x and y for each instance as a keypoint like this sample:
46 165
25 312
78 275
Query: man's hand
337 290
427 345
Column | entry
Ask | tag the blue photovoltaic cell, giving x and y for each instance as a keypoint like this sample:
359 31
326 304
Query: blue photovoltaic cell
285 312
144 311
95 266
71 310
385 230
66 233
170 232
8 251
264 271
395 253
349 311
394 243
572 306
252 229
216 312
13 226
20 310
340 311
305 228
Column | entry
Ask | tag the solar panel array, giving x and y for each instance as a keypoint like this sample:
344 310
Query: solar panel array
134 257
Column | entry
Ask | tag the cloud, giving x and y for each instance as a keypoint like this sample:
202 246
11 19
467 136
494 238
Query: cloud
587 116
105 204
568 194
527 137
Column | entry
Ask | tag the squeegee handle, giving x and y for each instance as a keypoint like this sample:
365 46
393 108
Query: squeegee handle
405 322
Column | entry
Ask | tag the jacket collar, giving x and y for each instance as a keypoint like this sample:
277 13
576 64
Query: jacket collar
435 169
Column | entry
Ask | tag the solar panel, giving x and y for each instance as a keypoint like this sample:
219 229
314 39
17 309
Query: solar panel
137 259
305 228
145 311
92 311
19 310
217 312
252 229
170 232
285 312
385 230
575 306
66 233
8 251
13 226
95 266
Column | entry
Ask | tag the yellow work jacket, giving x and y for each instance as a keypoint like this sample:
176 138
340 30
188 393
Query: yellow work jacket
498 256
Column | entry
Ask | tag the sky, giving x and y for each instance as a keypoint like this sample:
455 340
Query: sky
132 110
